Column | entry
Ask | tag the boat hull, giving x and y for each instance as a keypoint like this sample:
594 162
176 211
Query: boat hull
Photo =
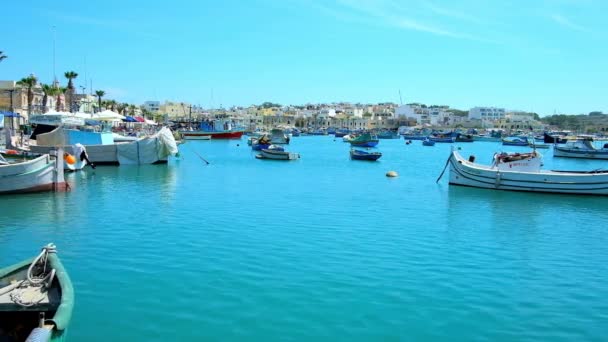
414 137
36 175
578 153
448 140
197 135
372 143
358 155
277 155
466 173
58 310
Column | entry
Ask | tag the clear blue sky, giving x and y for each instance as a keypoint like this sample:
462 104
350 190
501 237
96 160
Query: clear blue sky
541 56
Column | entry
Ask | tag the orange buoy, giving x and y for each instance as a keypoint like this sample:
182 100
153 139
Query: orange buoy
11 152
69 159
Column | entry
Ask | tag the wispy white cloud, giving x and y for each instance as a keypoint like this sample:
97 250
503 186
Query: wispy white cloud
391 13
565 22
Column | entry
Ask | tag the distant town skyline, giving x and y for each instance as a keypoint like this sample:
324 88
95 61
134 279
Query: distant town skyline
543 56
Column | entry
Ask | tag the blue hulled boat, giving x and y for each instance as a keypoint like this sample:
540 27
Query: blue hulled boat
363 155
428 142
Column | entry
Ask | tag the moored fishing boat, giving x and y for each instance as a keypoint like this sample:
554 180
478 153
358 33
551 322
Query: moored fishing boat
515 141
277 154
364 140
414 136
441 138
427 142
522 172
216 129
555 137
36 299
388 135
41 173
464 137
101 148
363 155
278 136
580 148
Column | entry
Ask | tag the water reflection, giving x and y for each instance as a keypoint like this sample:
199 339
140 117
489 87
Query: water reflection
517 206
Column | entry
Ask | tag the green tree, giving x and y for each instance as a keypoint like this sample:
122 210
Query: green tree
59 91
99 94
70 75
48 90
29 83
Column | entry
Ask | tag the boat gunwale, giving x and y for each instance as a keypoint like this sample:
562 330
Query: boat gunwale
457 158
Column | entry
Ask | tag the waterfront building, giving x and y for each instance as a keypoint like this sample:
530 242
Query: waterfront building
14 97
486 113
174 110
517 120
152 106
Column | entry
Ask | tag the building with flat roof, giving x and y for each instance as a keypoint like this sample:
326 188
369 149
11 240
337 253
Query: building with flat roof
486 113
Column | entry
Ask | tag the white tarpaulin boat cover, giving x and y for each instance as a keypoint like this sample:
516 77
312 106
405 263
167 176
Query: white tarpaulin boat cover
148 150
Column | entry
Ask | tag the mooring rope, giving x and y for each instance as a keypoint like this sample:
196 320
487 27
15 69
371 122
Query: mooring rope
45 280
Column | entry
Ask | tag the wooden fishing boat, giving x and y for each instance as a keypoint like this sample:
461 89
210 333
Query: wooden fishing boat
278 136
515 141
363 155
36 299
72 162
555 138
40 173
580 148
215 129
441 139
364 140
414 136
428 142
522 172
388 135
464 138
277 154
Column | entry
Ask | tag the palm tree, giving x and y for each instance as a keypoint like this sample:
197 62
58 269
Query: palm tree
2 56
112 104
48 90
70 75
59 91
99 94
132 109
29 82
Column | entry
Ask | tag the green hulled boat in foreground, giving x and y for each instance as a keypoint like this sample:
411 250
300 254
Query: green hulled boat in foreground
36 299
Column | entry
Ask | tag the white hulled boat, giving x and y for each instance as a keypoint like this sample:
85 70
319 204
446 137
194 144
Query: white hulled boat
580 148
42 173
522 172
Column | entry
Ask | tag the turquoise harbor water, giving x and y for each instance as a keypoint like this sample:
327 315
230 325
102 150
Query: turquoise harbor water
322 248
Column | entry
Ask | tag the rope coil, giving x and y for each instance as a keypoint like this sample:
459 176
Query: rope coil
45 279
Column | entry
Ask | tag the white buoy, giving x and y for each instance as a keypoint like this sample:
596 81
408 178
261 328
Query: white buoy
392 174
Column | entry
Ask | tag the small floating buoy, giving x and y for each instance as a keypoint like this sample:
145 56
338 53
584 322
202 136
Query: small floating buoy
238 145
392 174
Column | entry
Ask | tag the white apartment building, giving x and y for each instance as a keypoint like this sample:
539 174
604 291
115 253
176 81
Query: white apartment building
424 115
152 106
486 113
